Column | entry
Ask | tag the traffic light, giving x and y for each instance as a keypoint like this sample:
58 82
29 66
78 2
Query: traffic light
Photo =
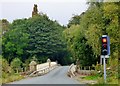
105 45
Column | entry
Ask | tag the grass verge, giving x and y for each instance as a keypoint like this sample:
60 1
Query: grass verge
91 77
12 78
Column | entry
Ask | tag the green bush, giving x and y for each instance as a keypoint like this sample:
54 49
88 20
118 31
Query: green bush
16 64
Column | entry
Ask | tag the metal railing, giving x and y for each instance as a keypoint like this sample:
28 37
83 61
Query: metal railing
87 70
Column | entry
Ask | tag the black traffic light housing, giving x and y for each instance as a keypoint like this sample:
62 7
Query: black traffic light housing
105 45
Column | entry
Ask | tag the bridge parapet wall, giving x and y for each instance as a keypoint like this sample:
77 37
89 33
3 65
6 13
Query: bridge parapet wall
44 68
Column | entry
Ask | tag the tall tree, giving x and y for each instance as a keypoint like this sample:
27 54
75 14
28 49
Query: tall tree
77 45
75 20
15 41
45 38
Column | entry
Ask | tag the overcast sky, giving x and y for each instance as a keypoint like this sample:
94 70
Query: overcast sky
60 10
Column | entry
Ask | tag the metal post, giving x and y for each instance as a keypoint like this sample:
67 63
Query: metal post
101 59
104 70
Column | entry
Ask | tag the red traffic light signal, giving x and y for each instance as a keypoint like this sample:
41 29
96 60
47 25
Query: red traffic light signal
104 40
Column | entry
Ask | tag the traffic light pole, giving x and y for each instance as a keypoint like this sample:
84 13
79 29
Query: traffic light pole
104 69
105 52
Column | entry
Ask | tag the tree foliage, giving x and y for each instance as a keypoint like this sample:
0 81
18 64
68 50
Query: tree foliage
45 37
77 45
16 64
37 36
100 19
75 20
5 25
14 42
4 64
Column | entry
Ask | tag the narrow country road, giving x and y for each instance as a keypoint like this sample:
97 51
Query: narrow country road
56 76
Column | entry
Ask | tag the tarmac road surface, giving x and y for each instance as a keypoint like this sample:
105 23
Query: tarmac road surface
56 76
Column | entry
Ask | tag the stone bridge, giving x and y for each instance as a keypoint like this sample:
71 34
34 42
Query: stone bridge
41 69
